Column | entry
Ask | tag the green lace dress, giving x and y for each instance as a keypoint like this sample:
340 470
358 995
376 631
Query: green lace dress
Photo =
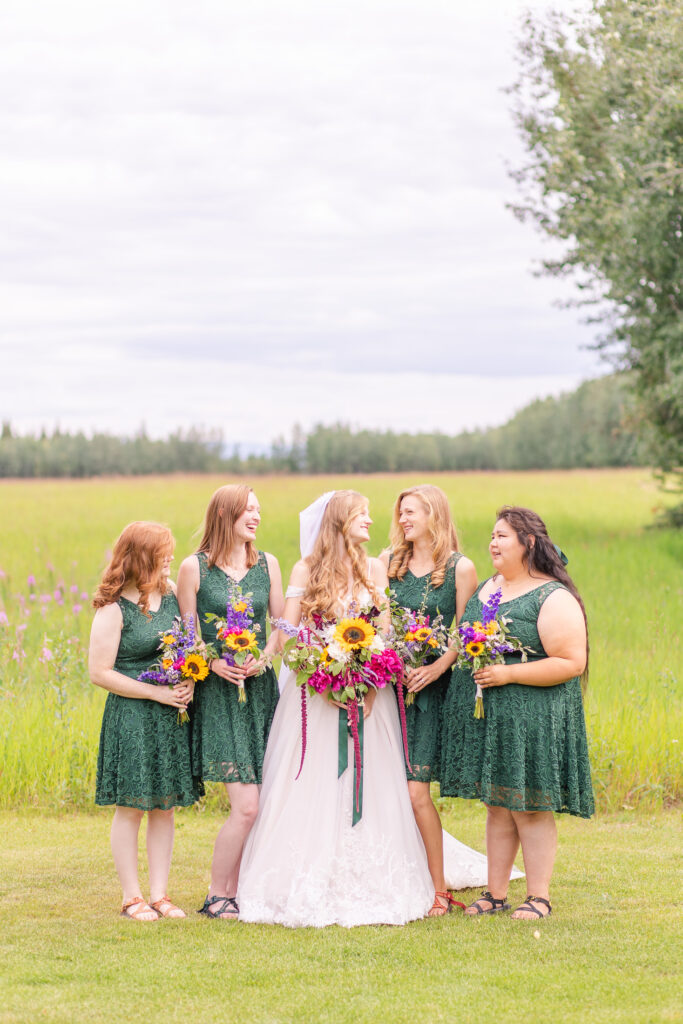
423 716
229 738
529 752
144 757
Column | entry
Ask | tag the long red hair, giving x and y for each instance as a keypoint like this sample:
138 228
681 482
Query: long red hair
138 557
226 506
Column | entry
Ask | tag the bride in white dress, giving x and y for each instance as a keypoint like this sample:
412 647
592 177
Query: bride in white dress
304 862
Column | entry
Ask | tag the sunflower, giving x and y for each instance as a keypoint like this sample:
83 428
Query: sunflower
195 667
423 633
351 634
474 648
241 641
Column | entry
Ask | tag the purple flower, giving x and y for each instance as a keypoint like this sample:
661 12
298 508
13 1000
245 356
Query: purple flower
490 609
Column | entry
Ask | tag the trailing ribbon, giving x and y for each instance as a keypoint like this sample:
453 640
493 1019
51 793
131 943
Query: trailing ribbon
343 760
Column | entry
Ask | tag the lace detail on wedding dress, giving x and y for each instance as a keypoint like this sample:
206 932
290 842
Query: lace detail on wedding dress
295 591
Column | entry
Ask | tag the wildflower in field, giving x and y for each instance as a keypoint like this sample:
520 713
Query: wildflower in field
31 580
4 621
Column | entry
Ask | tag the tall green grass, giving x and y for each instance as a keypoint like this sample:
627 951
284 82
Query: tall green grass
629 576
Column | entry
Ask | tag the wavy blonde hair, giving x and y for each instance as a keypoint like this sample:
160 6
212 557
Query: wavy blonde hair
441 530
328 573
226 506
138 557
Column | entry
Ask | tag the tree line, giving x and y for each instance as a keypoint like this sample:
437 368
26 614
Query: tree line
594 426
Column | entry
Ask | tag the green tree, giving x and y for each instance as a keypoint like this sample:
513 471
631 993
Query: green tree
599 107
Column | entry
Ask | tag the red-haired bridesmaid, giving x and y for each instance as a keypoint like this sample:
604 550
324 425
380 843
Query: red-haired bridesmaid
229 735
144 761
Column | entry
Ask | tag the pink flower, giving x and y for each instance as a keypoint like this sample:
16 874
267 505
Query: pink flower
3 618
84 595
74 588
77 608
31 580
46 655
179 662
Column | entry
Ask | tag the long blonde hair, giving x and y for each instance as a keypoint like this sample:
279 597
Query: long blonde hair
226 506
328 575
441 531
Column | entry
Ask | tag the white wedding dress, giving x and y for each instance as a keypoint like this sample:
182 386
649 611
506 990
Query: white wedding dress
304 864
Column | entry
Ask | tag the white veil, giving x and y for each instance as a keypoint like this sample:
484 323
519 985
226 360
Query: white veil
310 520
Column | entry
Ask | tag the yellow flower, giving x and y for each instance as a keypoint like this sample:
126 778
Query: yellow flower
168 638
432 642
478 626
195 667
166 663
351 634
239 641
491 629
423 633
474 648
240 606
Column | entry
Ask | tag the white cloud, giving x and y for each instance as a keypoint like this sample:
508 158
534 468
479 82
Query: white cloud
191 185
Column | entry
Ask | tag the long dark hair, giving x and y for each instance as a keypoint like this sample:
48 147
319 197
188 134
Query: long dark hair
541 557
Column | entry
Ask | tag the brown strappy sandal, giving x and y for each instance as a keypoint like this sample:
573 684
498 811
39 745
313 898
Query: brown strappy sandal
528 905
496 905
438 906
165 908
142 906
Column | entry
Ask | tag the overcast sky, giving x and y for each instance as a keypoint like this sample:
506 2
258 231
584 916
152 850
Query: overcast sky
248 214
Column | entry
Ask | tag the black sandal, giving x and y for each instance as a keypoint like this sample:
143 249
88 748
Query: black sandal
227 903
496 905
528 905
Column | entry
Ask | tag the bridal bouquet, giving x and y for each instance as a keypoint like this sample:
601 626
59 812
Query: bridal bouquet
237 633
342 658
486 643
415 638
183 656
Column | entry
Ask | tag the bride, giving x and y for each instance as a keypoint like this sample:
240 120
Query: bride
305 862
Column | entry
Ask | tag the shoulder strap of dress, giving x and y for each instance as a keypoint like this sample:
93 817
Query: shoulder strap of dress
263 562
203 560
545 590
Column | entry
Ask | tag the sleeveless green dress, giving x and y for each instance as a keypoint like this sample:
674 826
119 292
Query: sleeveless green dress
529 752
423 716
229 738
144 756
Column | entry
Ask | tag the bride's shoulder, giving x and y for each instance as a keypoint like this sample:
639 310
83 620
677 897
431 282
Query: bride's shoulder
377 571
300 574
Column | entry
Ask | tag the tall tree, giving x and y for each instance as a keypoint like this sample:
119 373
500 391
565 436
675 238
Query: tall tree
599 106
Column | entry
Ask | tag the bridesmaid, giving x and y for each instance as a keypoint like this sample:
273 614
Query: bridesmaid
426 571
229 738
528 757
144 761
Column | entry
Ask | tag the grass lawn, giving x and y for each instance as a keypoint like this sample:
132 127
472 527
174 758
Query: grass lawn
609 953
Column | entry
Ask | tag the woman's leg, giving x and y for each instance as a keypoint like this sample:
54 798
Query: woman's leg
160 830
429 824
227 851
538 833
502 843
124 846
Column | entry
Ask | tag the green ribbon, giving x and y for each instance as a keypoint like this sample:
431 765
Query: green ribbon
343 759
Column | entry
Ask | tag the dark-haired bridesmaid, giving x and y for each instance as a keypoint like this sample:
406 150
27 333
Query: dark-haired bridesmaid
229 736
144 761
528 757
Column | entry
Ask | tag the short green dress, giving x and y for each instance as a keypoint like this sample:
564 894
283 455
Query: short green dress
144 757
228 738
529 752
423 716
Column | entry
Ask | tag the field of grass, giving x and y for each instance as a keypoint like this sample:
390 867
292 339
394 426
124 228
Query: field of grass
610 954
54 538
